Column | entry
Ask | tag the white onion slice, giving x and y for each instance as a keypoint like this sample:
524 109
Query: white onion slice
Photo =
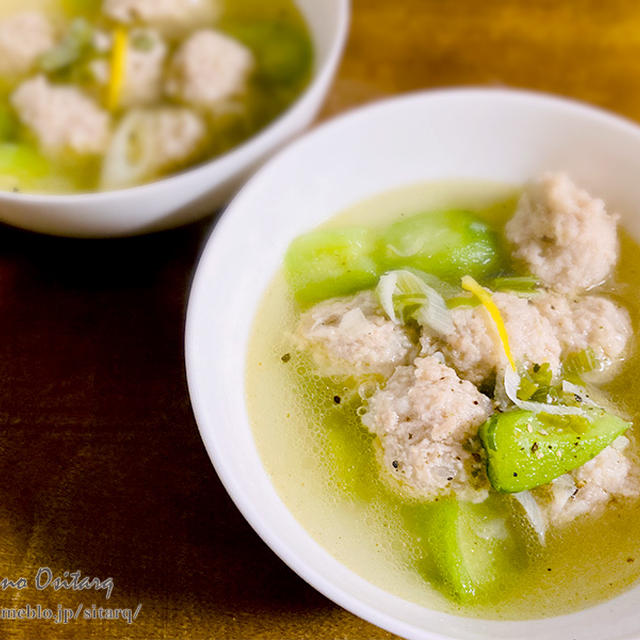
432 311
533 512
385 290
569 387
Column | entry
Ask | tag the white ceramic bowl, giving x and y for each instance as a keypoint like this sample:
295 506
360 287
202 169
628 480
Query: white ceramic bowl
496 135
197 192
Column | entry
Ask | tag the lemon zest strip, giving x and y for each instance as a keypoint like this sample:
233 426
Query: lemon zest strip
484 295
118 67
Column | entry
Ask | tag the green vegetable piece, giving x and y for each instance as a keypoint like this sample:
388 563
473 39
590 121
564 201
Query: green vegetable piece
463 301
516 284
282 51
541 374
327 263
467 550
442 245
536 385
77 42
581 362
9 125
527 389
21 165
350 450
448 244
526 450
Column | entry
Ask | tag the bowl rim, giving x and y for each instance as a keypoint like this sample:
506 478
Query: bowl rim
333 590
229 161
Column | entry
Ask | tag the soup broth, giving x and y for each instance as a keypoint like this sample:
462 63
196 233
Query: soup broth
323 462
268 41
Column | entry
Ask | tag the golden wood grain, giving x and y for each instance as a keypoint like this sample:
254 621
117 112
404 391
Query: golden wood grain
585 49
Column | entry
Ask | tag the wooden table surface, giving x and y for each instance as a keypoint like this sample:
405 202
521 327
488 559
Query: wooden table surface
101 466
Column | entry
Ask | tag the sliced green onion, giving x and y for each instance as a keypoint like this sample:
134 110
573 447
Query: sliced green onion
462 301
404 295
527 389
581 362
541 375
512 385
78 40
516 284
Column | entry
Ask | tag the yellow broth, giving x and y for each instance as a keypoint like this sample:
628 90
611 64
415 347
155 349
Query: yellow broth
356 516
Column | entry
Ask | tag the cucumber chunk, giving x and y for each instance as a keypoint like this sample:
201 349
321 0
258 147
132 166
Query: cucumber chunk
467 550
448 244
21 167
282 51
9 125
353 464
526 450
327 263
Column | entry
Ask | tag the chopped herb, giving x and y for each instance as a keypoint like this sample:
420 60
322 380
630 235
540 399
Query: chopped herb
286 357
535 384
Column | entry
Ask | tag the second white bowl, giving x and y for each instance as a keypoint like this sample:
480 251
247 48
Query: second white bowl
199 191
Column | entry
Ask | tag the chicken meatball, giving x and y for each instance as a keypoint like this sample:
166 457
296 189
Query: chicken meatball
563 235
473 348
612 474
352 336
62 117
208 69
24 37
590 321
427 418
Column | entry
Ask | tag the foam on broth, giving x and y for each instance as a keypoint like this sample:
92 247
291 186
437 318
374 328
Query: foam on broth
292 410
